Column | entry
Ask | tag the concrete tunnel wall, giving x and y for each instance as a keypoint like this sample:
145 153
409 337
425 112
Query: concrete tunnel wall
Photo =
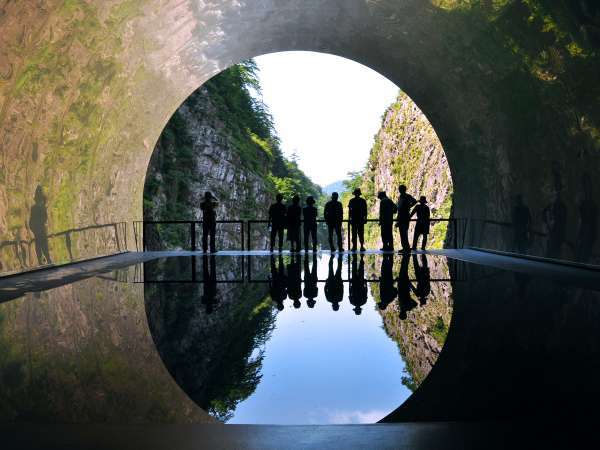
86 88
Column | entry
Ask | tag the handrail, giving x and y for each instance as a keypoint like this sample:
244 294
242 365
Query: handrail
139 228
191 223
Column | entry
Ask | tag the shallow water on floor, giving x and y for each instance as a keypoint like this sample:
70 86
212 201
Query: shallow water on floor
303 339
309 339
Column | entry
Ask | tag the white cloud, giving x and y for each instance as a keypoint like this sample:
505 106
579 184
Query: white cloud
354 417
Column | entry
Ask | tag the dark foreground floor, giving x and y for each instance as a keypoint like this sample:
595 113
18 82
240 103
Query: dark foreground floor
415 436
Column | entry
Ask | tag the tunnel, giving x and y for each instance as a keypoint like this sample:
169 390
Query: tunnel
87 89
510 87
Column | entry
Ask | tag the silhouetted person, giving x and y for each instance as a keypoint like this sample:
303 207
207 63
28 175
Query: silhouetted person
357 212
277 221
278 283
334 285
294 279
38 223
309 214
334 215
405 301
405 203
294 220
521 222
423 288
358 285
311 289
555 217
387 290
587 232
209 276
209 221
422 226
387 209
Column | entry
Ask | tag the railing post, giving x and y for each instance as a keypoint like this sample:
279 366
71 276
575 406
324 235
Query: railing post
193 235
144 236
248 237
348 233
243 243
455 231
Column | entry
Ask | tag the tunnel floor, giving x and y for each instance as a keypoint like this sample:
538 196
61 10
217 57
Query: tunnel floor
315 339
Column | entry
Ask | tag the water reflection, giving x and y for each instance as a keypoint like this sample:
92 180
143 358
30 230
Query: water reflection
258 316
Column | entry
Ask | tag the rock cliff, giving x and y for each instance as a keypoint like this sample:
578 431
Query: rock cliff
222 140
407 151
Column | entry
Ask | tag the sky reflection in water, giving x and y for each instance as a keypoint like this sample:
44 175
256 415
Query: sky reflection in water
316 365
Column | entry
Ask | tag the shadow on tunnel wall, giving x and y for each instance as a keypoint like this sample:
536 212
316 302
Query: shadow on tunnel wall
36 246
565 227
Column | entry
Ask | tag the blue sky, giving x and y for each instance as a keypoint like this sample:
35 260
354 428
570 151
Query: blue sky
327 109
326 367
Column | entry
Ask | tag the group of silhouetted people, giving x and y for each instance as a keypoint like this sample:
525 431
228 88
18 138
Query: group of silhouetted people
293 216
404 210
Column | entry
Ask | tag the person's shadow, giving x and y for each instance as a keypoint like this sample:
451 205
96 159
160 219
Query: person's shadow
278 283
38 223
311 289
294 280
334 285
358 284
387 290
423 288
209 278
405 300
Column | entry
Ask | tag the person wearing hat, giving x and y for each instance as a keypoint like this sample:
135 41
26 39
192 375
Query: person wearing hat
422 226
357 212
209 221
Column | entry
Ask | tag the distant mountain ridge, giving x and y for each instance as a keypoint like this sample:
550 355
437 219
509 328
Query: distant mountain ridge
337 186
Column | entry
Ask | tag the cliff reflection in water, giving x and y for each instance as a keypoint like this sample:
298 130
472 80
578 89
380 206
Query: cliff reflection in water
292 339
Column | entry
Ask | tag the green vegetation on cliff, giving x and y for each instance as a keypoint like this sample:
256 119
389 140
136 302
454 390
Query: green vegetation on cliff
243 122
406 151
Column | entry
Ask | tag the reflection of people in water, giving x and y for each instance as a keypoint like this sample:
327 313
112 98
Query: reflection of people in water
209 276
521 221
334 286
294 280
387 290
405 287
423 288
278 283
38 223
311 289
358 285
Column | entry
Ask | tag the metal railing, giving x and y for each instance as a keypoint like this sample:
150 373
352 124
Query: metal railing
247 227
23 248
140 229
347 229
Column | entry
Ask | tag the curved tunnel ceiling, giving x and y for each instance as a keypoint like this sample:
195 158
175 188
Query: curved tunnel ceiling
87 87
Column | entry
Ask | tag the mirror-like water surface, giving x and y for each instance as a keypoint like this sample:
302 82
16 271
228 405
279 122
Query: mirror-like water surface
298 339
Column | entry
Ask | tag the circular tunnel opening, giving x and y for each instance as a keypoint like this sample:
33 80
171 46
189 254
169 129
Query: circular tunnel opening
262 338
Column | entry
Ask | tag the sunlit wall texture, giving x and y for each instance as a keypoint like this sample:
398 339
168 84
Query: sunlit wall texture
87 86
